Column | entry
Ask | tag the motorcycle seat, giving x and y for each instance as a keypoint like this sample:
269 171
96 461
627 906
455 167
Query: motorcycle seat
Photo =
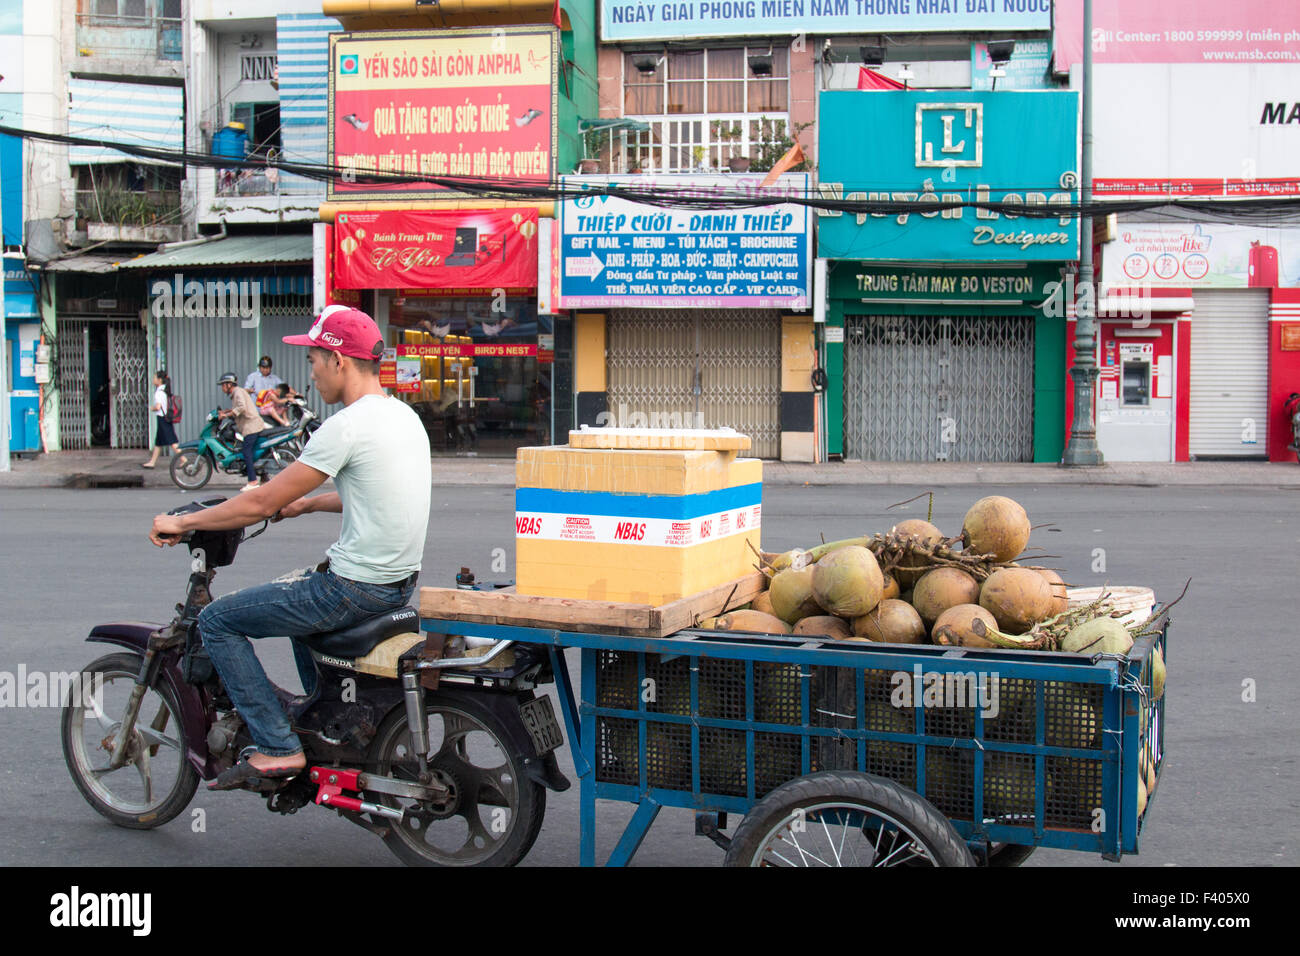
359 640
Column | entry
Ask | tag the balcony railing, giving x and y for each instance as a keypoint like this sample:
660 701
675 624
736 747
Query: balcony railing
121 37
698 143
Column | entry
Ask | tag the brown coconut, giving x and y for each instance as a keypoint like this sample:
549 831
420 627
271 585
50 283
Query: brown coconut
791 595
941 589
1018 598
847 582
996 525
752 621
1060 597
892 622
824 625
957 627
921 531
762 602
890 590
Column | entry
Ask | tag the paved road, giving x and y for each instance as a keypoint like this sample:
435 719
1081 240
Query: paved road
1229 794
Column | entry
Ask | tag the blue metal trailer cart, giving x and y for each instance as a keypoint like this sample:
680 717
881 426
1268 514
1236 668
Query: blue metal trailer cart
851 753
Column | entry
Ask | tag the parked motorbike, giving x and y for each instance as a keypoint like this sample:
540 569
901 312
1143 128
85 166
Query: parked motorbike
219 446
453 776
1292 407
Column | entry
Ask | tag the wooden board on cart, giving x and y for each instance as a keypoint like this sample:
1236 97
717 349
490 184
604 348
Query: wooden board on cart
504 606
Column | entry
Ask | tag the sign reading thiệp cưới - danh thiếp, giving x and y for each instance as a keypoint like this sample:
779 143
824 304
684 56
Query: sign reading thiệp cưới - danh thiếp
614 252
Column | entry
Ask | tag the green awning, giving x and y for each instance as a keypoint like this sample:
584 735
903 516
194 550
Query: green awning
234 251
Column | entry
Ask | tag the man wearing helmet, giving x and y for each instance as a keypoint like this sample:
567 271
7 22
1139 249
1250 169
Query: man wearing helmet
248 422
376 451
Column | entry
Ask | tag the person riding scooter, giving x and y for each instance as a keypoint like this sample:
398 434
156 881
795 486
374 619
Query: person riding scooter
247 422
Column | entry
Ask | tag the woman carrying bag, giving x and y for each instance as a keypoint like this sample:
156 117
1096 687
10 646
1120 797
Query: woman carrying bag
162 409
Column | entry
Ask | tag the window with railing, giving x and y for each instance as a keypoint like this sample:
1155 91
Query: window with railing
706 109
122 28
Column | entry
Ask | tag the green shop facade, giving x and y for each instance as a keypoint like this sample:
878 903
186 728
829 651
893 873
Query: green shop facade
940 339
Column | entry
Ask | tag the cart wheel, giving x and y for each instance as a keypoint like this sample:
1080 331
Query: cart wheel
1009 854
845 819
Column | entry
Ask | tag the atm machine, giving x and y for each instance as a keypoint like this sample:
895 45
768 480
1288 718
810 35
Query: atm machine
1135 397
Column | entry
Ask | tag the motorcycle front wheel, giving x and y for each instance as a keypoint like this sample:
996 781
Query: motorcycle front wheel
494 812
191 470
157 780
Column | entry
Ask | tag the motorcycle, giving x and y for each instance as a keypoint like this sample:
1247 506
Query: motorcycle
452 775
1292 408
219 446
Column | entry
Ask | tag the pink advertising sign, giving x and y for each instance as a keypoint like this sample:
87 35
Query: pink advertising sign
1179 31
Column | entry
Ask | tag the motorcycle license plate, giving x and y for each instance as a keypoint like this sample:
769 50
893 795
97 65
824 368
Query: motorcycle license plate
539 718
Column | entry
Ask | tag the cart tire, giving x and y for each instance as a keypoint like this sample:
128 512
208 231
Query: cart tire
878 805
1009 854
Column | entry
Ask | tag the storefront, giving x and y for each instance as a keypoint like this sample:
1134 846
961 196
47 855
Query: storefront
1193 365
692 317
941 341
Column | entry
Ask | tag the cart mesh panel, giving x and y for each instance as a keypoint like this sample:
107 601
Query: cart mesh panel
1009 787
668 690
950 781
722 762
1073 715
777 693
616 685
1073 792
668 755
1016 719
778 759
616 750
722 690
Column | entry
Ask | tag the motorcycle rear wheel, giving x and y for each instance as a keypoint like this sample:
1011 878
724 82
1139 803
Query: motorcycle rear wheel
191 470
157 782
499 809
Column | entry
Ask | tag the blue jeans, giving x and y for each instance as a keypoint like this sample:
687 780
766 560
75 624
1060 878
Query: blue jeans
250 456
299 603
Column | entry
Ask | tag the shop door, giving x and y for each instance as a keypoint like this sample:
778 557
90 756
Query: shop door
938 388
1135 392
73 362
652 366
130 394
1228 381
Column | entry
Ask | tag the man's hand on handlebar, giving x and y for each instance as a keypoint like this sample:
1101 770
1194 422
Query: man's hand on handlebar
166 530
293 509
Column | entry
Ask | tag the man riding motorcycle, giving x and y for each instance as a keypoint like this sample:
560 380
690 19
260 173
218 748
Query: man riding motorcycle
247 422
377 452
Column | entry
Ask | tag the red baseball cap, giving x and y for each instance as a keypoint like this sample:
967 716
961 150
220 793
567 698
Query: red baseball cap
344 330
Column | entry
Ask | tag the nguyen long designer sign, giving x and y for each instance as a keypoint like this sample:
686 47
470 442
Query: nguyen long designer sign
457 103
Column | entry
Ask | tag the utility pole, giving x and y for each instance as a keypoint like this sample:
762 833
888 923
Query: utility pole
1082 447
4 344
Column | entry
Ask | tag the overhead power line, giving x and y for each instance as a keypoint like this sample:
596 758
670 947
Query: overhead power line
1253 210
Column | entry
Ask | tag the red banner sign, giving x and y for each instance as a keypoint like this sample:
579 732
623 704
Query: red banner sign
475 104
476 350
1196 187
457 249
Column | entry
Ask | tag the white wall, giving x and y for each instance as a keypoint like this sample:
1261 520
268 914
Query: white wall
1192 120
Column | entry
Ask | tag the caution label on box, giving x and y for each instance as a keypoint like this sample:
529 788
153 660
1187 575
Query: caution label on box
658 532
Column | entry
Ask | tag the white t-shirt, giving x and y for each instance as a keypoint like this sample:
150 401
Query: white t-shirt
377 452
162 406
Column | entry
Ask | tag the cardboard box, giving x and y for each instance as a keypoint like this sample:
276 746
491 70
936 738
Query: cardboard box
633 526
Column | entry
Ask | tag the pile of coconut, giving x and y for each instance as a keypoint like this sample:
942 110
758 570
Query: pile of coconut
914 585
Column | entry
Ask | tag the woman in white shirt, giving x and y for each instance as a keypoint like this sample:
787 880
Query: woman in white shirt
162 409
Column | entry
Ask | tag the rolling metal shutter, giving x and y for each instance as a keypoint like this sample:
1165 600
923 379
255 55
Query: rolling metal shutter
1228 382
651 361
938 388
139 114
